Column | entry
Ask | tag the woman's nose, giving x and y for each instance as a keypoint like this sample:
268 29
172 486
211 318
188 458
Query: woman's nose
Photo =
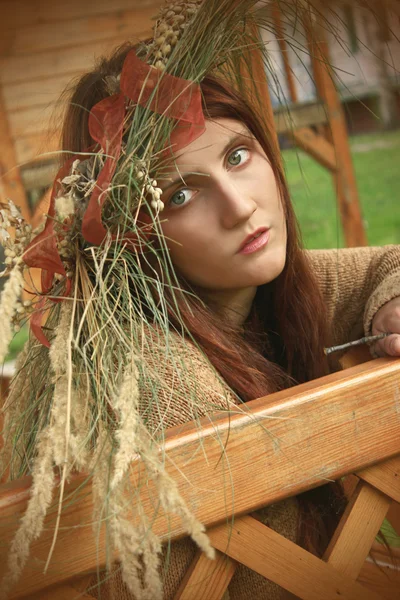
235 202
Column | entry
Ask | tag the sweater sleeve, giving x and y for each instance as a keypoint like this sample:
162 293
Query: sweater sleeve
356 283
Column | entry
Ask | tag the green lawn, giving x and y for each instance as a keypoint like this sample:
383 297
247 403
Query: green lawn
376 160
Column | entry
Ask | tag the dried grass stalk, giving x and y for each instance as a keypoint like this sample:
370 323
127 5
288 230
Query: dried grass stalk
8 303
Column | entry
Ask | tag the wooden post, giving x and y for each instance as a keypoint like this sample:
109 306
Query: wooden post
344 178
257 91
11 187
280 36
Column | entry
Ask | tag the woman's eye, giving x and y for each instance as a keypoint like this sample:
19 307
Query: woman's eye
237 157
181 197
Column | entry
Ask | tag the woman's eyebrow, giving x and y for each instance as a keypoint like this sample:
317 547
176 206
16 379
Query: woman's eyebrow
237 137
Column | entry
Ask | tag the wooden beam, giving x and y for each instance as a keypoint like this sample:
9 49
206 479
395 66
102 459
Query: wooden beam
11 187
385 478
288 442
207 579
344 178
317 146
288 119
283 46
24 13
273 556
45 37
253 73
358 528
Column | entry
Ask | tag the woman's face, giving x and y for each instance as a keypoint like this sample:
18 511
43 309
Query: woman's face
218 195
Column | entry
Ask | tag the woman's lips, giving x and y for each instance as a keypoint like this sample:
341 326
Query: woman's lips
256 244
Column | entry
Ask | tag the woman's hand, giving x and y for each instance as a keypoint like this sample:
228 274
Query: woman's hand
387 320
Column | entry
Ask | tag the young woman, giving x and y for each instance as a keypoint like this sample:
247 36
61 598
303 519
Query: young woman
198 298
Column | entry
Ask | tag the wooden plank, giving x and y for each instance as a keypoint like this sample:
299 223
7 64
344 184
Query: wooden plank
60 592
273 556
207 579
24 13
385 477
39 175
252 72
358 527
11 187
344 178
34 121
393 517
288 119
28 94
290 441
37 147
48 37
65 60
316 146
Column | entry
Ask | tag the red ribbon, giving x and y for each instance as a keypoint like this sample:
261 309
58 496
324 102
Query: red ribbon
149 87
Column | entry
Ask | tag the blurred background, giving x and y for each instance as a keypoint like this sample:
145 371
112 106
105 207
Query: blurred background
338 129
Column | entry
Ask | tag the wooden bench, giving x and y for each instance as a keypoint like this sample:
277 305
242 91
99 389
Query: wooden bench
345 424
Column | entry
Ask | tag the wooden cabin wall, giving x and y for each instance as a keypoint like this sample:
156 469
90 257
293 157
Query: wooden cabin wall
46 43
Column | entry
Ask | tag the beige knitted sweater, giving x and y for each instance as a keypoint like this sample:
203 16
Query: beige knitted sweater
355 284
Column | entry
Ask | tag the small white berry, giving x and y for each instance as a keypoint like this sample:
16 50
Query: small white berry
165 49
162 28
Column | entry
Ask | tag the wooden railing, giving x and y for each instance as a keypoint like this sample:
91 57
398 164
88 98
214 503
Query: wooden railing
288 442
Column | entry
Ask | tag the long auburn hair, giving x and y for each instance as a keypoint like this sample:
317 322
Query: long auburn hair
281 343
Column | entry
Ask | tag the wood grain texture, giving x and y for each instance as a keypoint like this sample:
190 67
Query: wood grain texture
47 38
394 517
386 477
271 555
39 92
30 148
288 442
17 14
358 527
56 63
207 579
11 187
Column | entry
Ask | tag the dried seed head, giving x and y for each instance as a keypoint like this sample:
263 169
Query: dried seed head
165 49
162 28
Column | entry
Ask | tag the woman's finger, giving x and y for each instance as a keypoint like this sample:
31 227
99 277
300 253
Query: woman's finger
388 346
